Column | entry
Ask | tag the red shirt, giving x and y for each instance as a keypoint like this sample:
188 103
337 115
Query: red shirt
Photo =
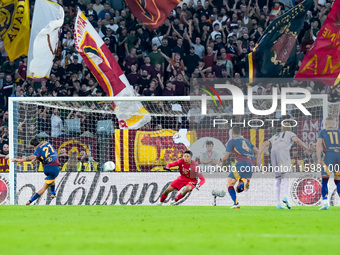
209 60
190 171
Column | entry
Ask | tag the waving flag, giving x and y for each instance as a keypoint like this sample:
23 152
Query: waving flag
322 60
15 27
48 17
108 73
274 56
152 13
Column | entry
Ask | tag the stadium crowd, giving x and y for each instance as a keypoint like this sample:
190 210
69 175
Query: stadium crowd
199 40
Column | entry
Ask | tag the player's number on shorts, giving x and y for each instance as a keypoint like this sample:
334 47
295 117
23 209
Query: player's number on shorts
334 139
245 146
46 150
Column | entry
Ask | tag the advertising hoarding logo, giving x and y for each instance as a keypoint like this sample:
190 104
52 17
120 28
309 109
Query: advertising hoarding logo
4 189
306 190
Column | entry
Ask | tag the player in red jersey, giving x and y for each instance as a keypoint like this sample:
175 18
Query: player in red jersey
189 171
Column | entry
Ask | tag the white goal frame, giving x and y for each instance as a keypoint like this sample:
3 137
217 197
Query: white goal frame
13 100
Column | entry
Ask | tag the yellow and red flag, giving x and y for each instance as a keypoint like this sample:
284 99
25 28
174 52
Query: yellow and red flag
15 27
152 13
322 60
104 67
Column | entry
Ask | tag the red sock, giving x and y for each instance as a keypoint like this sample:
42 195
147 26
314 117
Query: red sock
163 197
179 196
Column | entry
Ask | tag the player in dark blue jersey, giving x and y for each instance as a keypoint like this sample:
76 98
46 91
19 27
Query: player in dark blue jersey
45 153
245 163
329 141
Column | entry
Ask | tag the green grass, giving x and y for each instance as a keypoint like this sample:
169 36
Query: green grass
167 230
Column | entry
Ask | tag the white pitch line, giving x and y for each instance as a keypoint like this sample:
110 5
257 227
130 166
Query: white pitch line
285 235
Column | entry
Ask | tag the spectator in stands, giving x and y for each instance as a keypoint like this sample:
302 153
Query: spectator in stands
4 121
21 72
130 40
73 164
44 120
130 60
68 44
165 48
209 59
169 89
3 53
4 152
4 136
334 94
147 66
181 84
91 11
84 159
133 76
144 81
179 48
2 79
155 89
155 56
75 67
9 67
57 126
62 156
97 6
78 115
191 61
102 13
199 48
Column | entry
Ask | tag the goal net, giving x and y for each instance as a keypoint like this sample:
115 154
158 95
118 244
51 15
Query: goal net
86 134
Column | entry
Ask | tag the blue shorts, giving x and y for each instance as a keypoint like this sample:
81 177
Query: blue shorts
51 173
331 164
242 170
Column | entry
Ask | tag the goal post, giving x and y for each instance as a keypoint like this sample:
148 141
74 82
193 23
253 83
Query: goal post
89 129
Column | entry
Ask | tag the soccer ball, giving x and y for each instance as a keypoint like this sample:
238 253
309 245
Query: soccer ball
109 166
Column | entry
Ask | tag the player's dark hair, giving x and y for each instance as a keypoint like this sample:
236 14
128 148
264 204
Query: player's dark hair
236 130
209 142
188 152
34 141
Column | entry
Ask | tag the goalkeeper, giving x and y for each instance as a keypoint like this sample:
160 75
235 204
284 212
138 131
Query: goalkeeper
189 171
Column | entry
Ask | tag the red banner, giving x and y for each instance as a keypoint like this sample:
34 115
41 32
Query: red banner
109 75
152 13
322 61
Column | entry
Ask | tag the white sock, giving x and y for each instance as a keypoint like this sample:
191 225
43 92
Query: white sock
285 187
325 202
278 190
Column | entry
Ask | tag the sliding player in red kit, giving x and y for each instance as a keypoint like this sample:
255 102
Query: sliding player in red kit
189 171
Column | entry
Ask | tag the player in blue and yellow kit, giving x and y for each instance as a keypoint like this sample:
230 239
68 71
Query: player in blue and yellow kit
329 141
246 162
45 153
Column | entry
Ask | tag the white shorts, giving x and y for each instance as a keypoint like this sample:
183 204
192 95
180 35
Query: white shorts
281 162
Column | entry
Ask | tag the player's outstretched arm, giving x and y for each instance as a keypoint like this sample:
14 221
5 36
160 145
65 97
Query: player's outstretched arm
260 151
24 159
318 150
173 164
225 158
301 144
166 168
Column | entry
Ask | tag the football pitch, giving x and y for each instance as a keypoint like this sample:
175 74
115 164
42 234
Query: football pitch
167 230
